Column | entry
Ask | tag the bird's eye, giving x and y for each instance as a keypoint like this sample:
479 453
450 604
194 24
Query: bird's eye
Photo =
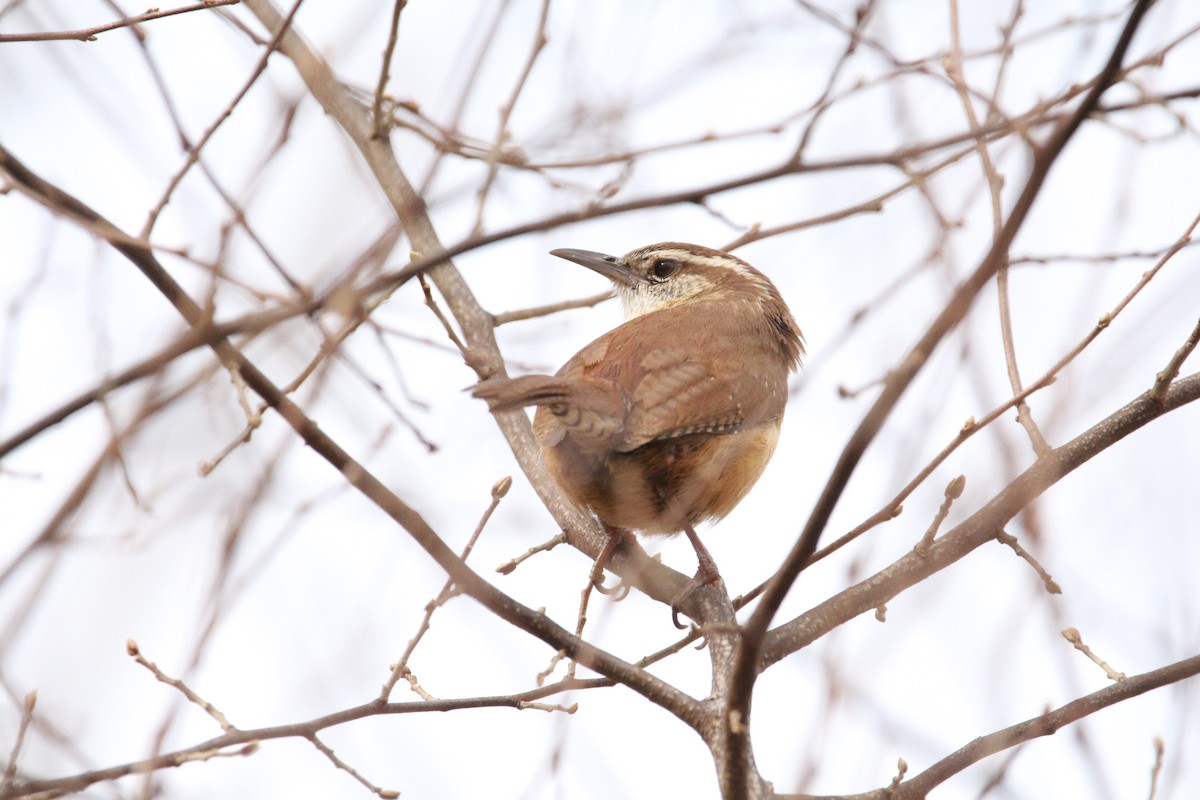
665 268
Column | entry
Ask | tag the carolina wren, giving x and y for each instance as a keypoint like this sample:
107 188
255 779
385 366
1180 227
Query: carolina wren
669 419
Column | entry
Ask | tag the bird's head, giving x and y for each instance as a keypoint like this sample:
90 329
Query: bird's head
668 274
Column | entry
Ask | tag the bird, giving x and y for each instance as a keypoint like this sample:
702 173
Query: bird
669 419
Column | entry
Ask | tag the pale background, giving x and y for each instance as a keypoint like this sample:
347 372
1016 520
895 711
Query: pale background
320 592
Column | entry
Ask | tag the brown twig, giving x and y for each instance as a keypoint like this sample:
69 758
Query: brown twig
954 490
327 751
248 740
10 768
1156 770
502 605
499 490
508 566
194 151
1010 541
90 34
994 183
521 315
1046 724
131 647
385 66
977 529
735 780
1162 379
1073 636
506 110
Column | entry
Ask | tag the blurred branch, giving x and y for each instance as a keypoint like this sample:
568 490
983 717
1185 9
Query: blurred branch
499 490
735 781
55 530
1046 724
89 34
1041 115
478 329
978 529
501 604
10 768
147 367
249 740
502 132
954 70
506 317
973 426
194 151
1162 381
135 652
385 68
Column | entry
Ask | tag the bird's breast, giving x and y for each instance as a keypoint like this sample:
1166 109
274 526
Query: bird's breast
658 486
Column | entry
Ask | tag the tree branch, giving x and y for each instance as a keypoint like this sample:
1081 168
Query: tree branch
1047 724
978 529
505 607
252 737
735 782
89 34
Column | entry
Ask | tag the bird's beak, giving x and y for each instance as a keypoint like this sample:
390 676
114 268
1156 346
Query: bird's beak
610 267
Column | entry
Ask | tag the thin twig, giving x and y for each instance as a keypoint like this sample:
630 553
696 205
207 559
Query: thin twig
954 490
400 669
921 784
502 132
90 34
551 308
1162 380
1013 544
1072 635
327 751
385 67
248 740
194 152
437 312
10 769
736 781
995 181
131 647
546 546
1156 770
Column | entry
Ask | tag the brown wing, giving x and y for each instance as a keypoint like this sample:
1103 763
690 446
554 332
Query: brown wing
713 379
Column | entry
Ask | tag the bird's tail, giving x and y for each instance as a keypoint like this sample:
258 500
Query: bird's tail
506 394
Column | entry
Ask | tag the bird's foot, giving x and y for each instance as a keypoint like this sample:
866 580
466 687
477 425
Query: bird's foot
616 537
706 575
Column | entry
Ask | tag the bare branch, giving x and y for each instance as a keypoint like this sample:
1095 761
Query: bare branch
194 152
1072 635
533 622
1046 724
385 67
248 741
978 529
90 34
499 490
10 769
131 647
1162 380
552 308
735 782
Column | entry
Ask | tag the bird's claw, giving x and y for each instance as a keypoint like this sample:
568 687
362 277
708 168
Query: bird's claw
617 593
675 618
